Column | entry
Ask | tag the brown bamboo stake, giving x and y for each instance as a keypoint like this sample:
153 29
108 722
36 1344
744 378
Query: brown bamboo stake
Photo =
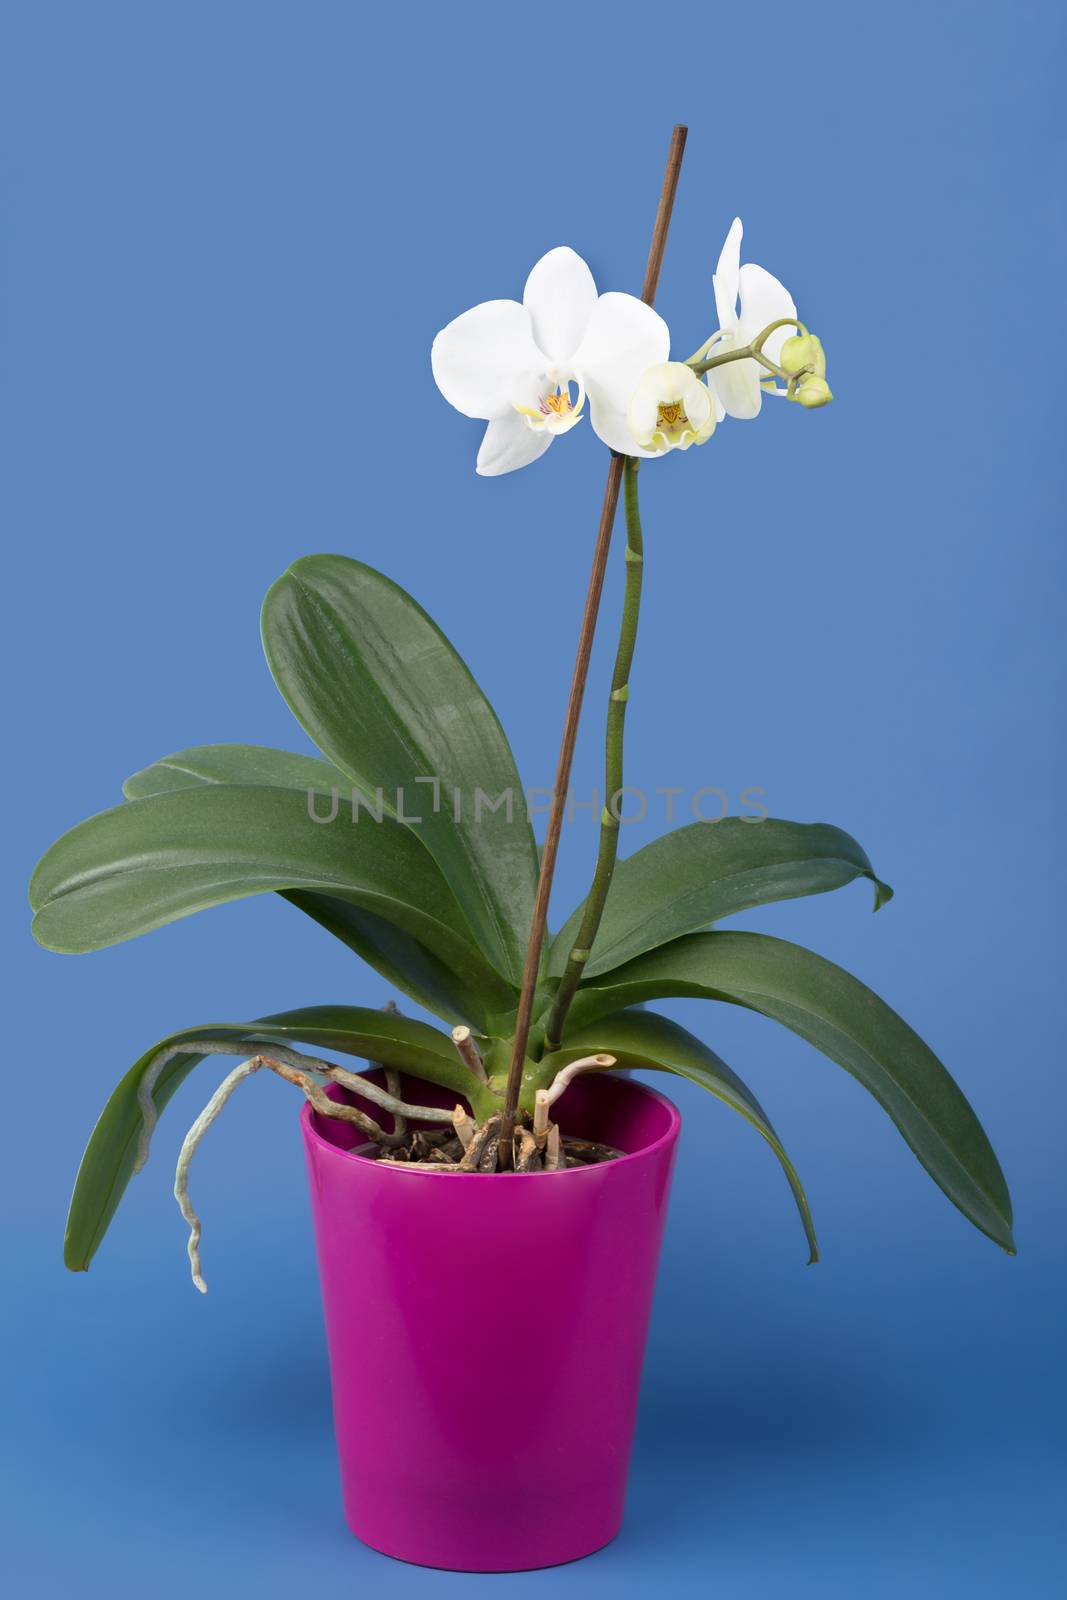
532 964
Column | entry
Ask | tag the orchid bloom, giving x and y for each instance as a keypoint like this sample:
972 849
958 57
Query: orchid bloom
528 369
736 384
671 409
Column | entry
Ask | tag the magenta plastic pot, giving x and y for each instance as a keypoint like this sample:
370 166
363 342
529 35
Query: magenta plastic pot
486 1335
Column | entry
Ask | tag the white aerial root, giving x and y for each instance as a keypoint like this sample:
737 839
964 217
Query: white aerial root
384 1098
465 1127
279 1061
545 1132
566 1075
468 1052
188 1150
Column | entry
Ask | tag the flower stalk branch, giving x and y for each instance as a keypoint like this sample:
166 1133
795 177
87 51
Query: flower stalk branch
747 352
608 848
803 373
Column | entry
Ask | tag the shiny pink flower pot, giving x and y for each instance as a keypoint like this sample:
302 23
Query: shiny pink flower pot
486 1334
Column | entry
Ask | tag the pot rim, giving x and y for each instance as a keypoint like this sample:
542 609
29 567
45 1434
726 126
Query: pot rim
668 1136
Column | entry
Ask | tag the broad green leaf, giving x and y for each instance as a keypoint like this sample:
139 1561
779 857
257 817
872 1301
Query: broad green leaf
253 764
846 1021
394 953
644 1039
111 1155
146 863
384 695
709 870
465 996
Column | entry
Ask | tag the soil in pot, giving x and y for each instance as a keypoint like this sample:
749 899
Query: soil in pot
444 1148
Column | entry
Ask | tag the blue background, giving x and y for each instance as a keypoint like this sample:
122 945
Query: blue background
232 233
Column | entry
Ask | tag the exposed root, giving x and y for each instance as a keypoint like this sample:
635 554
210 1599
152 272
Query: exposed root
188 1150
465 1127
566 1075
476 1149
281 1061
468 1052
484 1137
527 1152
462 1147
386 1098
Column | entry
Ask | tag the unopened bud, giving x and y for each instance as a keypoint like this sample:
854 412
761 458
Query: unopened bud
803 350
813 392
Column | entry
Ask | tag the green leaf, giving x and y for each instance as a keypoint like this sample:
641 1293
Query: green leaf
849 1023
644 1039
457 996
391 951
253 764
384 695
709 870
146 863
110 1157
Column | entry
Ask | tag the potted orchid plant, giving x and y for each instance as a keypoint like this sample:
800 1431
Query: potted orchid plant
493 1178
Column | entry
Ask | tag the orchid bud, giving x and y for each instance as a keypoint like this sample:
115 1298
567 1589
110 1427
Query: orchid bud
803 350
813 391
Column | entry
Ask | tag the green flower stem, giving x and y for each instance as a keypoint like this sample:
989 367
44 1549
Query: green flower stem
608 849
750 352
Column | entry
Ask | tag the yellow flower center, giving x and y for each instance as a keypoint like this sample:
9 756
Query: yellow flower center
558 403
552 410
672 415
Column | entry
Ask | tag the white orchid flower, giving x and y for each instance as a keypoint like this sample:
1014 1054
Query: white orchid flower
528 369
736 384
671 409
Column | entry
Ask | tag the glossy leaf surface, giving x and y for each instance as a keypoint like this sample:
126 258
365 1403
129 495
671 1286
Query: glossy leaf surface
710 870
846 1021
146 863
384 695
467 996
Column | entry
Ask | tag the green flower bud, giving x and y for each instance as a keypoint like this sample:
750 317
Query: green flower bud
813 391
803 350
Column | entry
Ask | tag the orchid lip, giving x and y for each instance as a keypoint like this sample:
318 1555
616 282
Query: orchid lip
551 407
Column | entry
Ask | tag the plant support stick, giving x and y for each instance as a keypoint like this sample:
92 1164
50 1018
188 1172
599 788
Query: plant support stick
532 965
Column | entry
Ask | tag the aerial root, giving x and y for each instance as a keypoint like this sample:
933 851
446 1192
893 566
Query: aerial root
281 1061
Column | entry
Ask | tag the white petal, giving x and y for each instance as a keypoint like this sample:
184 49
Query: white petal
725 278
763 301
699 407
613 427
644 409
479 359
736 388
624 338
508 444
560 295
